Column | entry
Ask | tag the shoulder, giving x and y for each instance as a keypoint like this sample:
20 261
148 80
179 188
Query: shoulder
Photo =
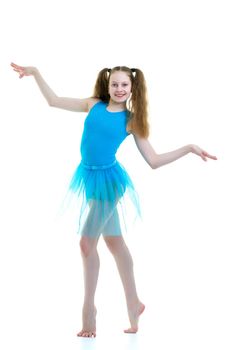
91 102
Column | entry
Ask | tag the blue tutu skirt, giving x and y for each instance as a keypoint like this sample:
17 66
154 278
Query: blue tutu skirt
106 199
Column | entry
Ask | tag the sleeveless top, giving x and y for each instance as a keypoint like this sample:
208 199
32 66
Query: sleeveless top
103 133
103 191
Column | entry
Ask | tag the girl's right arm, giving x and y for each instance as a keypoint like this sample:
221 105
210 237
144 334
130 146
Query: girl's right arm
71 104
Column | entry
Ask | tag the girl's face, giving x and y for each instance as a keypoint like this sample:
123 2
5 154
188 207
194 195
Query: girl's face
119 87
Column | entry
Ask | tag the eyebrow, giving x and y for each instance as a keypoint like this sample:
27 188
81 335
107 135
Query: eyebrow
122 82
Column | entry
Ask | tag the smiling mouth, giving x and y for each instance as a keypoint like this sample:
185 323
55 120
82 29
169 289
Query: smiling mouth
120 95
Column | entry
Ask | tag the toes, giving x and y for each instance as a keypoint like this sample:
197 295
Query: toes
86 334
131 330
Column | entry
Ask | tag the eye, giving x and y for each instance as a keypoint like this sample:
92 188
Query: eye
114 84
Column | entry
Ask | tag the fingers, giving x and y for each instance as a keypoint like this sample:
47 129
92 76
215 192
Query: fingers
16 66
205 154
18 69
203 157
212 157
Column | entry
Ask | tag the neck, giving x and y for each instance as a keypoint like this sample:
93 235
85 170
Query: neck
115 106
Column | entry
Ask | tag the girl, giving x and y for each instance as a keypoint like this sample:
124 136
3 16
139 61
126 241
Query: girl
117 109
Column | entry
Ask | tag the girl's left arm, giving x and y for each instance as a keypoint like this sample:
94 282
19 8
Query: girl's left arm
157 160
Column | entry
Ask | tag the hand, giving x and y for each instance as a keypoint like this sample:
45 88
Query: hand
23 71
200 152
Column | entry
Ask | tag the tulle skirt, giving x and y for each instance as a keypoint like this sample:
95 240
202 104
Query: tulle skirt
105 197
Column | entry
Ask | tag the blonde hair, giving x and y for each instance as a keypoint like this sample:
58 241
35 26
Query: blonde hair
137 104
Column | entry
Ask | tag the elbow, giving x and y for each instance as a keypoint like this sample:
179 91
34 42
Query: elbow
153 165
52 101
154 162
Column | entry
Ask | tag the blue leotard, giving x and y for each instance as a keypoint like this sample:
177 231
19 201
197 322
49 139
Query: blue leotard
103 133
100 182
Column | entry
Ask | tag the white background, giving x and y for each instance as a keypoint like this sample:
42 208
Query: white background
183 249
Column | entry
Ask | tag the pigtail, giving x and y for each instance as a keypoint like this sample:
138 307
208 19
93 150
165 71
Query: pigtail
101 85
138 121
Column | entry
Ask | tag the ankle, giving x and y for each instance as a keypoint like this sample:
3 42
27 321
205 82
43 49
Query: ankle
131 302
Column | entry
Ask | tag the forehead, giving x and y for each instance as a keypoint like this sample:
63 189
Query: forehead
119 77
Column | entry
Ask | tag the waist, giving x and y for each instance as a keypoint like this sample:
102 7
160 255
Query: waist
98 167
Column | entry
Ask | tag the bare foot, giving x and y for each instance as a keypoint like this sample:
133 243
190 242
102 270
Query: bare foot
134 313
89 323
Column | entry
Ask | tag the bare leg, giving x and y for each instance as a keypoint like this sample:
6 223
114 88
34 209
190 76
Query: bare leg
124 263
91 271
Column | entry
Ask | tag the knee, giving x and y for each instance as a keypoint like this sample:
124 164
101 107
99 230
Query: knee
114 243
85 247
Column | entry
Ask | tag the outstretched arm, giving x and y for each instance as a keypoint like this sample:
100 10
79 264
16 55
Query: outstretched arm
157 160
71 104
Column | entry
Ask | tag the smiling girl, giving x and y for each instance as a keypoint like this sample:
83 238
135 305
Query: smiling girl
117 109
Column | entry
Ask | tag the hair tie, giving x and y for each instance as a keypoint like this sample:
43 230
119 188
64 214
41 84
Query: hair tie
109 70
133 70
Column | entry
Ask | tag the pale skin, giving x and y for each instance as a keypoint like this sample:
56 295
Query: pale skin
119 91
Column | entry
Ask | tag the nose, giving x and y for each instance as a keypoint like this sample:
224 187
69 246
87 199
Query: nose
119 88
